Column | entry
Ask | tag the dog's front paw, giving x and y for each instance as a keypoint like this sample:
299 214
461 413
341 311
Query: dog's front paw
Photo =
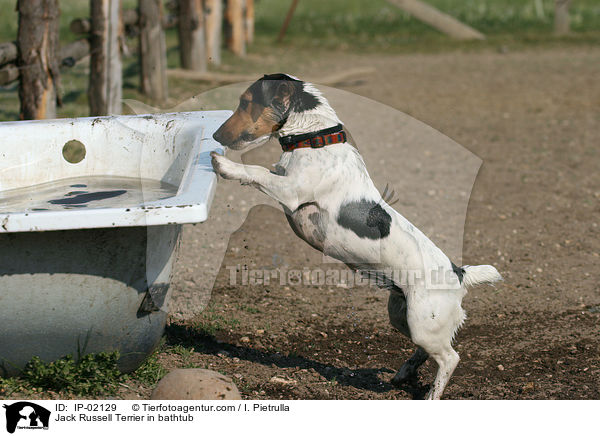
224 167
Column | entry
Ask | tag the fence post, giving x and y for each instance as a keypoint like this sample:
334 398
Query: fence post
37 40
249 21
234 27
191 35
561 17
106 78
153 51
214 27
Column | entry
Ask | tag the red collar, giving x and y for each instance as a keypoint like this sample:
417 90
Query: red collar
331 135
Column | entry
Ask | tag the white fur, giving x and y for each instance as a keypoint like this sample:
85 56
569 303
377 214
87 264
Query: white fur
319 118
322 180
475 275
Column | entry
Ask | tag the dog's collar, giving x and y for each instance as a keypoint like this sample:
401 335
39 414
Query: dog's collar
321 138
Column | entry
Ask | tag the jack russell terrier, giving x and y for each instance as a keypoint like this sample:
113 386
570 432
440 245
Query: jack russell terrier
331 202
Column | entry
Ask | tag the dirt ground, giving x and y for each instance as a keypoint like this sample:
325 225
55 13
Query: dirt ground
533 117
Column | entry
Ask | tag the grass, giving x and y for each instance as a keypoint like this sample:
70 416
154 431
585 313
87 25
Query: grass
333 22
69 10
378 25
211 322
249 309
186 354
150 372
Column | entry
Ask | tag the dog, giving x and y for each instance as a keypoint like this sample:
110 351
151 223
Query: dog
331 202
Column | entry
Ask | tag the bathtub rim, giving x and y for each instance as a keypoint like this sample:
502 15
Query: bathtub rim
190 205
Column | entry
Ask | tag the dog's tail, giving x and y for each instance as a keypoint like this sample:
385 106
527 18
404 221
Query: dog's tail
478 274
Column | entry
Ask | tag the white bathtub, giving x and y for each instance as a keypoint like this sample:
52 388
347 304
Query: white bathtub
90 215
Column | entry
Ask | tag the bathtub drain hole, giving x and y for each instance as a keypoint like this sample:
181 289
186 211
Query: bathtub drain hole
73 151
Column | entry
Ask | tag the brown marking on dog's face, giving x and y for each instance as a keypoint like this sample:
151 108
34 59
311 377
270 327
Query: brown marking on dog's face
262 111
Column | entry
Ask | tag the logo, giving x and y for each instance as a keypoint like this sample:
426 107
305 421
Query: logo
26 415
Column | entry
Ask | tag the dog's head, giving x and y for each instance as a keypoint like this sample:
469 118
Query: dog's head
263 109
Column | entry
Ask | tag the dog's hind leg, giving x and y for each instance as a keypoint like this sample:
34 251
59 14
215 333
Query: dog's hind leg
434 334
410 367
447 359
397 313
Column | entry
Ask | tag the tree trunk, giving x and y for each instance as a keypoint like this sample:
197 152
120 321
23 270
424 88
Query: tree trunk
561 17
81 26
37 40
234 27
153 51
214 27
191 35
106 79
438 20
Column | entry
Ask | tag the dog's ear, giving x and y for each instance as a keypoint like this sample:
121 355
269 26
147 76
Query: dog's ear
284 89
283 93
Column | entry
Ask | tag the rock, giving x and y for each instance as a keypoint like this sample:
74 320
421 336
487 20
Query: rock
195 384
244 339
282 381
500 367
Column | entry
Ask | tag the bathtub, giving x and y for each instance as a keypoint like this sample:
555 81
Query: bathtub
91 211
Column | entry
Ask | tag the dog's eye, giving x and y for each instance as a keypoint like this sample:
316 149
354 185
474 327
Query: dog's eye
243 104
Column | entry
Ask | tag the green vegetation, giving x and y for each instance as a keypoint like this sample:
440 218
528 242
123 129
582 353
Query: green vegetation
377 25
150 372
69 10
91 375
363 22
186 354
249 309
211 321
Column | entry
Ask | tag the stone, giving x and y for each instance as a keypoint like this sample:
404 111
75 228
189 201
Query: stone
195 384
282 381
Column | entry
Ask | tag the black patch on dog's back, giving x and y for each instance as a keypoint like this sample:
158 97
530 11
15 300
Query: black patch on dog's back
365 218
459 272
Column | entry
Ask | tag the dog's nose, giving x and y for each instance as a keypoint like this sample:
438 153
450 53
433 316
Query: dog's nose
218 136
